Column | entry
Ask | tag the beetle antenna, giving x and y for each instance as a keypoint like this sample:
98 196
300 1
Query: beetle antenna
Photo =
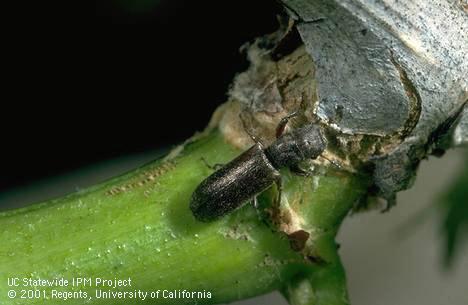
249 130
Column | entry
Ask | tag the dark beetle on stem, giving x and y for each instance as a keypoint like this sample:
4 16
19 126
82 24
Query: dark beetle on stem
255 170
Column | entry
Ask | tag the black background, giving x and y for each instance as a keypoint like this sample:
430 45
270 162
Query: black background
80 88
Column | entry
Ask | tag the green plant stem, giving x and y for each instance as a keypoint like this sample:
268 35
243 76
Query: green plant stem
320 285
139 226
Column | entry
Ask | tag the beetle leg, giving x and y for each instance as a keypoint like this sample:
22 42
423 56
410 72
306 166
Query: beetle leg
255 202
296 169
334 163
215 166
284 121
255 205
279 187
259 213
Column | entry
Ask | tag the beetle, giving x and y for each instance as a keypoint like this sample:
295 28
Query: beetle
256 170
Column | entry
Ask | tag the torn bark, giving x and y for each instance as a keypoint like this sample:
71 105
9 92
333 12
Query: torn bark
387 78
